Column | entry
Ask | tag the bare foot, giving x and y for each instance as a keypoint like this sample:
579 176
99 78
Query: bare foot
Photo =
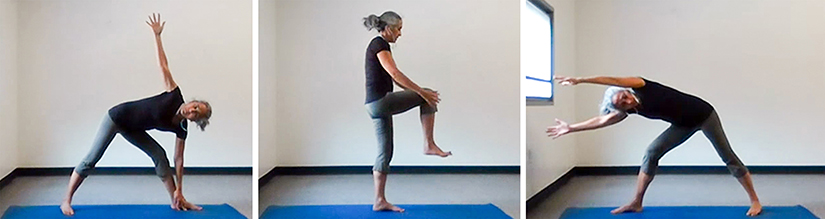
386 206
632 207
435 150
756 208
66 207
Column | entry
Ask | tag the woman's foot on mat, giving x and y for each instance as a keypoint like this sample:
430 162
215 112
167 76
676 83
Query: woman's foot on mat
66 208
632 207
755 209
386 206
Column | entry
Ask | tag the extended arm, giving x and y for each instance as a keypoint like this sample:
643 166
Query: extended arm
180 144
179 201
594 123
157 28
628 82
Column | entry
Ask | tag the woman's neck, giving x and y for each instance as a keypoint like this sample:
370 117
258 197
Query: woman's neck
384 35
179 114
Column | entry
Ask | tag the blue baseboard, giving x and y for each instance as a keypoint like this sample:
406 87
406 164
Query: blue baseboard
550 189
65 171
633 170
327 170
59 171
8 178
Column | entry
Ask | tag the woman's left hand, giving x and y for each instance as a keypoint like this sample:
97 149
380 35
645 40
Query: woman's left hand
567 81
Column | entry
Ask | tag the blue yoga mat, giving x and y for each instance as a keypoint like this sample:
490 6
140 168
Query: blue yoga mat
365 211
122 211
688 212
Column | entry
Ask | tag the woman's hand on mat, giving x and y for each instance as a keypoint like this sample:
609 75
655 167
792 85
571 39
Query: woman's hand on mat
567 81
154 22
557 131
430 96
180 203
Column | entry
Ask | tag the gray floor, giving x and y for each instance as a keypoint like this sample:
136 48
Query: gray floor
500 189
682 190
235 190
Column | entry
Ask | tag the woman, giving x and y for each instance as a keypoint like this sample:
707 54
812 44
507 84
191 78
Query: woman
164 112
686 114
382 103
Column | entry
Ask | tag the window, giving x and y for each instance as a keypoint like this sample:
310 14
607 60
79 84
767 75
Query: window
537 52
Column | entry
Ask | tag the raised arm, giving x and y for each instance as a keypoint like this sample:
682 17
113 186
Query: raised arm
385 57
628 82
157 28
594 123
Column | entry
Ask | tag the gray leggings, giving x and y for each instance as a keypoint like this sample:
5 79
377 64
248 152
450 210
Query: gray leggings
674 136
381 112
141 139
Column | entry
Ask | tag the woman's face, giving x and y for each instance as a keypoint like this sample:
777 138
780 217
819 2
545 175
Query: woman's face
195 110
625 100
393 32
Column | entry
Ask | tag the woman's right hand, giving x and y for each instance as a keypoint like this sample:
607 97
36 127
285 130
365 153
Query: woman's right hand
557 131
430 96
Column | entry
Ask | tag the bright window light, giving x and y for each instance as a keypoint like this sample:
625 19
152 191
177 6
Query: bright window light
536 52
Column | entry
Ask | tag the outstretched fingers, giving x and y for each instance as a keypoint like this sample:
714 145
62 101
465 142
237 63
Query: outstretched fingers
155 19
558 130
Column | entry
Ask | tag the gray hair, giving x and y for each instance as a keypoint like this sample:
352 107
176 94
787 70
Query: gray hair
380 23
607 105
204 120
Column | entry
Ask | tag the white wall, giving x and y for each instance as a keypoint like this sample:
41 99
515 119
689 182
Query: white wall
266 85
469 54
77 59
8 86
760 63
548 159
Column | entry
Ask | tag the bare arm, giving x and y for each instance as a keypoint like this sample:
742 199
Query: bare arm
629 82
385 57
157 27
179 201
594 123
598 122
179 148
402 86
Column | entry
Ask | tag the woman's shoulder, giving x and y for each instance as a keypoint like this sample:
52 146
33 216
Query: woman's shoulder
174 95
379 41
176 90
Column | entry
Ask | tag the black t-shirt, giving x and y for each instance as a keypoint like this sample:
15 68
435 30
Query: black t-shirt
662 102
154 112
379 82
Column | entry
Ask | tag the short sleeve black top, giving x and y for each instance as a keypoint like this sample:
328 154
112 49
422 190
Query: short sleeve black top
379 82
156 112
662 102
